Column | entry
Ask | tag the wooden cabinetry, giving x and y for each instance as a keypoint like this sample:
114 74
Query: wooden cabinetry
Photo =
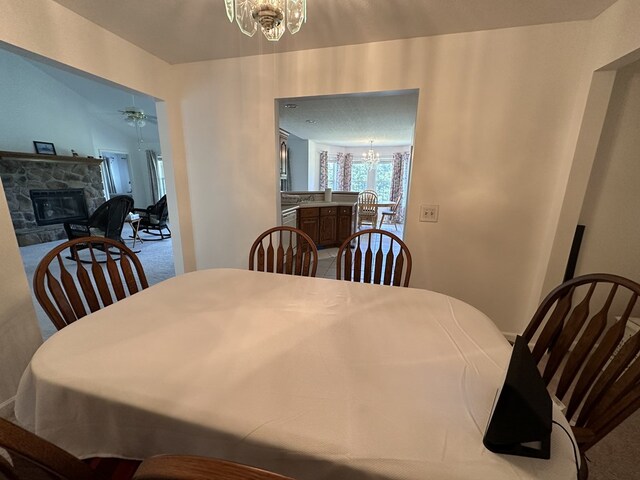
346 223
309 222
327 226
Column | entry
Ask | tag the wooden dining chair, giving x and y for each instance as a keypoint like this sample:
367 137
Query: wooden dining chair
391 213
378 257
65 299
31 457
284 250
368 208
587 356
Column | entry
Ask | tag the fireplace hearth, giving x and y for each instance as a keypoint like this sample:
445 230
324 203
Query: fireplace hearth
52 207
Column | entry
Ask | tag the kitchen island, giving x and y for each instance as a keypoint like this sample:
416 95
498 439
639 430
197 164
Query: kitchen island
328 223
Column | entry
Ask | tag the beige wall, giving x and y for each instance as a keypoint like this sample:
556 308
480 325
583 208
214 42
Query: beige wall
612 203
495 117
613 43
19 331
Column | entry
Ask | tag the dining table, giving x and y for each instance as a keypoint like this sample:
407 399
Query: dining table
309 377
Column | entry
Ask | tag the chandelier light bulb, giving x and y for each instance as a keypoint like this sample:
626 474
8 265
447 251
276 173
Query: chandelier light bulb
371 157
271 16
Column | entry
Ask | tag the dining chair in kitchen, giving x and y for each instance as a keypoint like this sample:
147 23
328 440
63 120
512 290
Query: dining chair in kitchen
391 213
114 272
374 256
368 208
587 352
284 250
29 456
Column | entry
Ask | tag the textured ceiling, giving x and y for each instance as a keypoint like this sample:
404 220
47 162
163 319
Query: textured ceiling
180 31
353 120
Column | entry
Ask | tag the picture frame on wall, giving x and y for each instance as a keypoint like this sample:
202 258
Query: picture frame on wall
44 148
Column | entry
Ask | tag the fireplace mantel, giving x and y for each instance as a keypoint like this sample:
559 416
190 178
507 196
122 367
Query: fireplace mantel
37 157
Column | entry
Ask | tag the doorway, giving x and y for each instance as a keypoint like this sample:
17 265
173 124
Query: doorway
349 143
96 123
116 172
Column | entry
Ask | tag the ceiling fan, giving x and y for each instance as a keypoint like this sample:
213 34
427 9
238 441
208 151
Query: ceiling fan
136 117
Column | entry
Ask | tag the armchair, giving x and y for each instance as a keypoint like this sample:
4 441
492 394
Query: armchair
106 221
154 217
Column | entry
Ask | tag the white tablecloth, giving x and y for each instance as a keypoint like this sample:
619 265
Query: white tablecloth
313 378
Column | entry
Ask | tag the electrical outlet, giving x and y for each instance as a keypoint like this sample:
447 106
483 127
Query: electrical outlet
429 213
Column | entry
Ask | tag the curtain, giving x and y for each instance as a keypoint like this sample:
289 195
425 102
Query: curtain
340 165
346 175
399 181
324 169
152 165
344 161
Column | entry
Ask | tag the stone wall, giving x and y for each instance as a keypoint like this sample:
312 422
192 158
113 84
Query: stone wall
20 176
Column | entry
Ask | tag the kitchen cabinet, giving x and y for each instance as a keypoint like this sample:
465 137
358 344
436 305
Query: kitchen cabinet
346 222
308 221
327 225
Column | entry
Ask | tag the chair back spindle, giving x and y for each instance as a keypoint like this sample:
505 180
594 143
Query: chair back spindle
587 361
284 250
67 291
378 257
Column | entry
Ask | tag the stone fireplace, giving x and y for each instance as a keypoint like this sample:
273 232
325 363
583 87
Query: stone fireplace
42 195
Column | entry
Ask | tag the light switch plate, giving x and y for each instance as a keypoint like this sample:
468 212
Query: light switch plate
429 213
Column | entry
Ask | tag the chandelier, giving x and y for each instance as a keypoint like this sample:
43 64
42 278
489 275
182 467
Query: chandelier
371 158
270 15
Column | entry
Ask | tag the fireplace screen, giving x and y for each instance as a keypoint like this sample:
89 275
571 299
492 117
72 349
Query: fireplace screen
58 206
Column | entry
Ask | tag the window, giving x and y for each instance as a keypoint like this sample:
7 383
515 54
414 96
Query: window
359 174
332 174
380 179
162 187
384 175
